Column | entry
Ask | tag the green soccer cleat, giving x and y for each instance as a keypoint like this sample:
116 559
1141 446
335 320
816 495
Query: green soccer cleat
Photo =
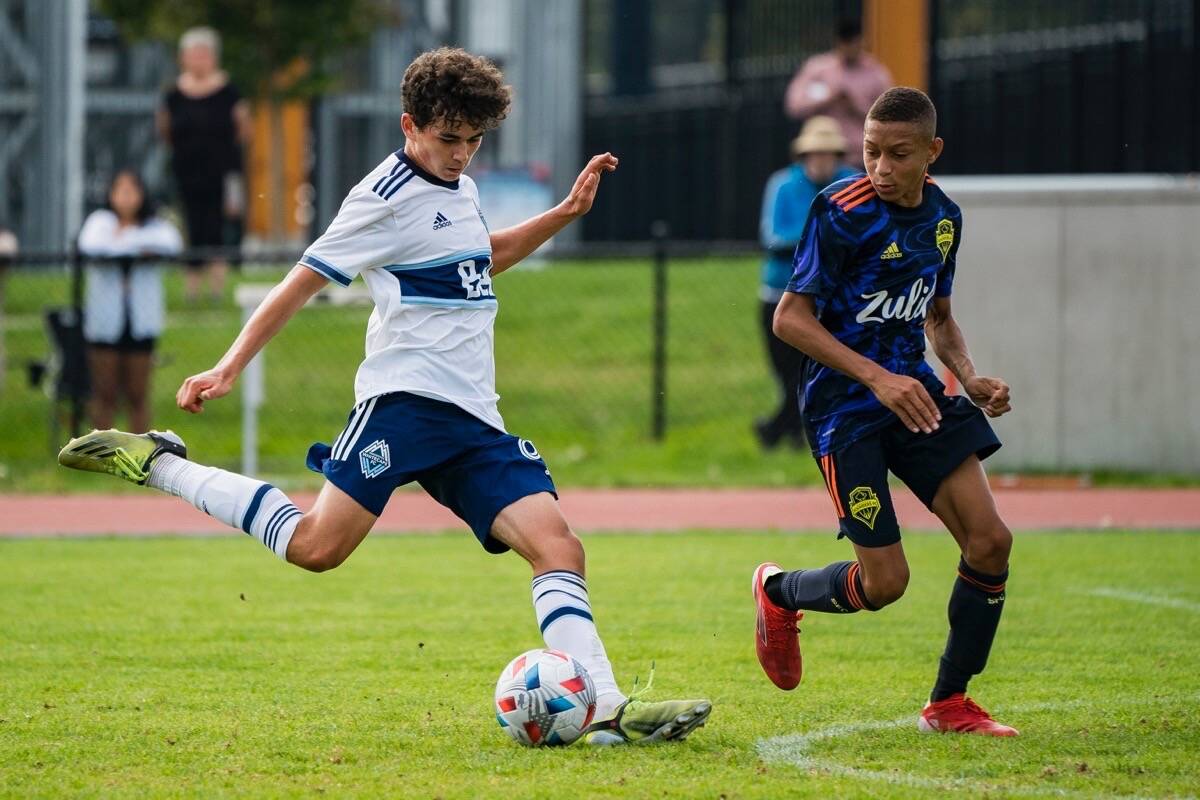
639 722
126 455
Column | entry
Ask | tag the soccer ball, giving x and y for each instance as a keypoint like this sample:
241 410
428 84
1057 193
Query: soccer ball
545 698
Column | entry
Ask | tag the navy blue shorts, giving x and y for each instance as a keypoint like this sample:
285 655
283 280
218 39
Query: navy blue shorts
857 476
464 463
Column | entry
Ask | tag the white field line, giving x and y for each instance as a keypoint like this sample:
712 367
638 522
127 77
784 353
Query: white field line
793 749
1142 597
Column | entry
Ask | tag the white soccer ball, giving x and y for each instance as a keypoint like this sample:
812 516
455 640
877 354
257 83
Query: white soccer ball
545 698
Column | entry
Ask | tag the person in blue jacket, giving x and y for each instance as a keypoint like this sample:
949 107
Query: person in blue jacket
818 154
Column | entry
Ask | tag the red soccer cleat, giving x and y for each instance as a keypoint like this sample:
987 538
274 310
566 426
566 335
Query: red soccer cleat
960 714
776 639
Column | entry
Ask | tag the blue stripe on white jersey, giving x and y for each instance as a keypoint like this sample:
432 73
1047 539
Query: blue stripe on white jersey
400 174
453 282
449 259
395 168
325 268
393 186
489 302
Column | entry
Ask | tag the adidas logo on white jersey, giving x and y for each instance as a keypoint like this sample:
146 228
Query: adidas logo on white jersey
440 222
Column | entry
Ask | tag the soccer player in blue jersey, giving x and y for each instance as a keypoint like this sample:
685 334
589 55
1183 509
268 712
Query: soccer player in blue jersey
426 397
873 277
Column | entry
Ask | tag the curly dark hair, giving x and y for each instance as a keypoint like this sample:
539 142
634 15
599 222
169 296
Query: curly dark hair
905 104
451 86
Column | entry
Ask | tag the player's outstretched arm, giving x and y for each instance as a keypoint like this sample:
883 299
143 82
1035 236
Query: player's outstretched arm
280 304
990 394
511 245
796 323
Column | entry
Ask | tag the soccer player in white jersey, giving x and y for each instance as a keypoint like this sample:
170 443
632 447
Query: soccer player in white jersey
426 397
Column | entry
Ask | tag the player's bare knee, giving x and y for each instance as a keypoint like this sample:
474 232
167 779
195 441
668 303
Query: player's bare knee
988 551
568 546
887 588
559 548
314 554
323 560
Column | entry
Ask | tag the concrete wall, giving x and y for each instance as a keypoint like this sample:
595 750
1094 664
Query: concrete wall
1083 293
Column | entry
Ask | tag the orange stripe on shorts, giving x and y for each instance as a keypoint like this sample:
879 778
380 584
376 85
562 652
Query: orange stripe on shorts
837 496
824 465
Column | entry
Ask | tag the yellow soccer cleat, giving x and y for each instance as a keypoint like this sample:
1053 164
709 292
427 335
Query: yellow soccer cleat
126 455
639 722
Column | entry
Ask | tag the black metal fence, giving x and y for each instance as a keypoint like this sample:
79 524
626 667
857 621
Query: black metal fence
632 364
1067 87
699 129
701 165
1022 86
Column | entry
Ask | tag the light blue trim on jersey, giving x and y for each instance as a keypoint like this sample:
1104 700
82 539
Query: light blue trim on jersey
444 261
487 302
326 269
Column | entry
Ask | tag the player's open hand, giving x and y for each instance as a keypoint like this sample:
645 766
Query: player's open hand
207 385
908 399
583 193
990 394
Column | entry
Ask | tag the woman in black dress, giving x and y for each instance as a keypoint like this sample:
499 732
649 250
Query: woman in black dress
206 123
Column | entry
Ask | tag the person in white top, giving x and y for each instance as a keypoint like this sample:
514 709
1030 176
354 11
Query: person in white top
426 394
123 306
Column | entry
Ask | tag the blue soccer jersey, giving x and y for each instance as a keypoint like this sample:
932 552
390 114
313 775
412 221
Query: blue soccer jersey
872 268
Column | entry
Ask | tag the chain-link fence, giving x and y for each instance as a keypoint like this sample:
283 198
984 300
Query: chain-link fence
623 368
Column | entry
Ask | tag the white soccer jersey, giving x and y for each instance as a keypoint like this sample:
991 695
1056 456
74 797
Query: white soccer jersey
422 246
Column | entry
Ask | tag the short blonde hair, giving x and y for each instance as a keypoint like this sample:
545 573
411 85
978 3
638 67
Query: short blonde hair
202 36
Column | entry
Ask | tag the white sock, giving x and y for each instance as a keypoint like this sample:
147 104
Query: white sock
258 508
560 600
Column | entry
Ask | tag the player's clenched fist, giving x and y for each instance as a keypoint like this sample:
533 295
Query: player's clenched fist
208 385
908 399
990 394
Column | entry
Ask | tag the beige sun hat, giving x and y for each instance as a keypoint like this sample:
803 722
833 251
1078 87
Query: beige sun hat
819 135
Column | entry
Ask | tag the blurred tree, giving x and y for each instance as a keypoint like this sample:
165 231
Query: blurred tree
262 41
275 50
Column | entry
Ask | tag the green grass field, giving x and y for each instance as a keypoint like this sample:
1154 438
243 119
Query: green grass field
573 352
205 668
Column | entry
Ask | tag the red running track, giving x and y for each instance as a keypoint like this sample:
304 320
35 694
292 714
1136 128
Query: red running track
153 514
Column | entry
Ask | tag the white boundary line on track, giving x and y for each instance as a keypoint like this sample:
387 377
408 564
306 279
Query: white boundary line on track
793 748
1148 599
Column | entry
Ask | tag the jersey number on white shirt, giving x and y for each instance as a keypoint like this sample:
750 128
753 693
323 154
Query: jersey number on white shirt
478 284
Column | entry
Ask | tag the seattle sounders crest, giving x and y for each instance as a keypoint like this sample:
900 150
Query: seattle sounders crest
945 237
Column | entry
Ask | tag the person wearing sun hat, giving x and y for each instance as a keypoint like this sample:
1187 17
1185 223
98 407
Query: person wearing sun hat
817 160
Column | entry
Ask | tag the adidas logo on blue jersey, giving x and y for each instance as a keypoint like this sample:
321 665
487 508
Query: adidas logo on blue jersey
440 222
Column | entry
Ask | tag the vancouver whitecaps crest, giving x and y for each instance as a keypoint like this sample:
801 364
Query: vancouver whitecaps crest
908 306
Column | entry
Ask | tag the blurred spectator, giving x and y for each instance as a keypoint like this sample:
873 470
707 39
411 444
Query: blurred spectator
123 304
842 84
817 154
206 122
8 246
8 251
